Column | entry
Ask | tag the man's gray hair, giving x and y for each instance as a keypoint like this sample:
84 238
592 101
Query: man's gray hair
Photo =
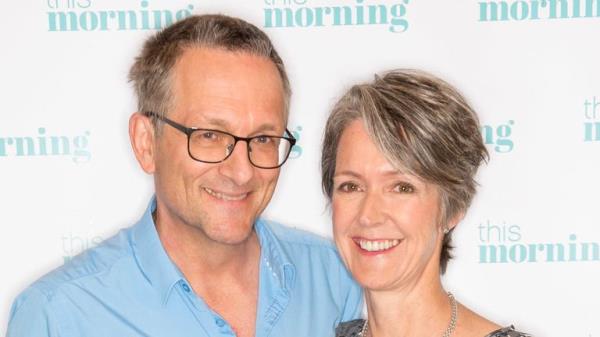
424 127
151 73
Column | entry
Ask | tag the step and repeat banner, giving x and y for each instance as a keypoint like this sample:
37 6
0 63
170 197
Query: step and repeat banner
527 253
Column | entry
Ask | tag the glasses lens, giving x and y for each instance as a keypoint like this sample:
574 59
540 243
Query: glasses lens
268 151
210 146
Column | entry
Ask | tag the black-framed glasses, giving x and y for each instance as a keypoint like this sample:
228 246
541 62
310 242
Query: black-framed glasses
215 146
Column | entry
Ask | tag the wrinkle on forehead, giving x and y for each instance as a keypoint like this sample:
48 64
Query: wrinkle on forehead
229 90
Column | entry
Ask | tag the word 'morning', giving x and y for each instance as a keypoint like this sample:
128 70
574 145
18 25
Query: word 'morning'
517 252
538 9
106 20
347 15
42 145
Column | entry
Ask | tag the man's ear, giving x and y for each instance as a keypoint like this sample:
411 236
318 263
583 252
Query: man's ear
141 135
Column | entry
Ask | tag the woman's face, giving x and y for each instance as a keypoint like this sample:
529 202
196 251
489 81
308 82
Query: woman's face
385 223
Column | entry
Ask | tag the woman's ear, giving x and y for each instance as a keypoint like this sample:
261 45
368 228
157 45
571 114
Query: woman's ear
141 135
454 220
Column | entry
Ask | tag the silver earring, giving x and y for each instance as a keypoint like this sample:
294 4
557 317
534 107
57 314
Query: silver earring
446 230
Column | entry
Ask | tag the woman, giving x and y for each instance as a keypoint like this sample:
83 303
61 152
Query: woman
398 165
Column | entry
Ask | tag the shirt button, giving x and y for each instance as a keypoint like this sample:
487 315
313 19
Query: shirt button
186 288
219 322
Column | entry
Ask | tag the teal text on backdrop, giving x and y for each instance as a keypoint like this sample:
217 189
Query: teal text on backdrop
538 9
80 15
43 145
300 13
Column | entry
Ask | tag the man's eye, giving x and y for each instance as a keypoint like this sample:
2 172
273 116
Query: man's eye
209 135
349 187
262 139
404 188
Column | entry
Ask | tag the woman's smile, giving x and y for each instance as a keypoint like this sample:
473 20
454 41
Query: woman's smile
376 246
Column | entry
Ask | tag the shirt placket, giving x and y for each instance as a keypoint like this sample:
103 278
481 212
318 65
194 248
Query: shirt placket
274 297
211 323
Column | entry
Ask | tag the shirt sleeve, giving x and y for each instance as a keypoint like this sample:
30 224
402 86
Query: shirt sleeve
31 316
353 304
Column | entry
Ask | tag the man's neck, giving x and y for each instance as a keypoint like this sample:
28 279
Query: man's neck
203 260
225 276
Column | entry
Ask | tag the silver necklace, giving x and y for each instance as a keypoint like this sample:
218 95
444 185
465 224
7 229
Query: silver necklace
449 330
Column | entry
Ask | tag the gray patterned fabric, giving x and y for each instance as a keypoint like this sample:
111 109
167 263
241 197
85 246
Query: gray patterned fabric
353 329
350 328
509 331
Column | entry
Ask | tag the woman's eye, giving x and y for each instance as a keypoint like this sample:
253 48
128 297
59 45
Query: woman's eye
404 188
348 187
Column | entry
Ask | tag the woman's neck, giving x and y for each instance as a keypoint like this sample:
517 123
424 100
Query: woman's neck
420 310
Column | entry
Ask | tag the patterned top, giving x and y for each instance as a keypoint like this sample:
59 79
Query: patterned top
353 329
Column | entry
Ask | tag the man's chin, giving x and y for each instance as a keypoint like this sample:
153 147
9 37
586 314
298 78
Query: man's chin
233 239
231 231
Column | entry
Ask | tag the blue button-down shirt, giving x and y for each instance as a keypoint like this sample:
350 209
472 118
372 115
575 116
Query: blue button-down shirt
128 286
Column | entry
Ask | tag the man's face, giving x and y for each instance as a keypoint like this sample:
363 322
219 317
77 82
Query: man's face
234 92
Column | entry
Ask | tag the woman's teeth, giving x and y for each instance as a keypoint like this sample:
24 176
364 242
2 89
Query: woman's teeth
379 245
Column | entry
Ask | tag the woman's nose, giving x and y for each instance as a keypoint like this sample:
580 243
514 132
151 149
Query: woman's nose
371 209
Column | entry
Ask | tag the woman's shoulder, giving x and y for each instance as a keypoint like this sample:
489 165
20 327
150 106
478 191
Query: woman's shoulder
354 328
473 324
350 329
508 331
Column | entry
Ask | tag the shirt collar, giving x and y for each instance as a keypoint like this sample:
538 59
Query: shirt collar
152 258
163 274
275 257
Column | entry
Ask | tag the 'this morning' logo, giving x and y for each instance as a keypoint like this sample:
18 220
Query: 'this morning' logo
503 243
75 244
80 15
592 120
296 151
498 137
44 145
310 13
517 10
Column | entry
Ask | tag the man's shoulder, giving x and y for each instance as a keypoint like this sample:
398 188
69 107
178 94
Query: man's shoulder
92 262
295 236
46 305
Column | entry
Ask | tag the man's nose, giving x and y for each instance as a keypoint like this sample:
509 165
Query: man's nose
237 166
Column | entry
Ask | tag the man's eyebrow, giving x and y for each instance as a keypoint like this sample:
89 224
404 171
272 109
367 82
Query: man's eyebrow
265 127
226 126
214 122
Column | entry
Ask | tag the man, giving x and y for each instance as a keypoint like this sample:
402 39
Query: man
213 100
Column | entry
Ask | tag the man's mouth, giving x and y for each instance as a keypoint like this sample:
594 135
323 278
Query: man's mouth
226 196
377 245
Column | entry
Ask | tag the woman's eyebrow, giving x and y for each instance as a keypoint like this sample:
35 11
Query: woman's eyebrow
347 173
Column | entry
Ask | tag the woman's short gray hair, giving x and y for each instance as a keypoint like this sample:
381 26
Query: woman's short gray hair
423 126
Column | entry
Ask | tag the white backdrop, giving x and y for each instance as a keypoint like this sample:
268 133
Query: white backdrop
528 251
